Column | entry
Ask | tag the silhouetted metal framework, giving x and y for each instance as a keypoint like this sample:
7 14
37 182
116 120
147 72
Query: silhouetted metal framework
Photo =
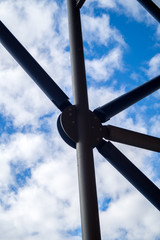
152 7
80 3
82 129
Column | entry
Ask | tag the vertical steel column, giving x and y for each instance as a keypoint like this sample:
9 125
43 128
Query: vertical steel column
86 173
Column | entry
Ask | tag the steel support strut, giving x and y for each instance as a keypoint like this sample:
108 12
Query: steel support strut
130 172
151 7
32 68
119 104
86 172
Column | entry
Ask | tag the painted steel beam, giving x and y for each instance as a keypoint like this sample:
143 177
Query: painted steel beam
152 6
33 69
126 100
143 184
131 138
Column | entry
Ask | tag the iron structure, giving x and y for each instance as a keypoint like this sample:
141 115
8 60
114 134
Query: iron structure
152 7
80 3
82 129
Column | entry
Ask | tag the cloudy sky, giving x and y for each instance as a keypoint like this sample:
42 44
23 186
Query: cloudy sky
38 179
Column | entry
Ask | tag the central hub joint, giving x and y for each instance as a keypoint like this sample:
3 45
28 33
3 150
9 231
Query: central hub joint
68 127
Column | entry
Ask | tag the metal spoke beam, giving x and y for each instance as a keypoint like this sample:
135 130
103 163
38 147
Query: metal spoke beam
130 172
132 138
33 69
152 8
119 104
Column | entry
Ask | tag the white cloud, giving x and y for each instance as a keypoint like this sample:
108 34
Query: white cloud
155 129
103 3
117 219
20 97
100 96
158 32
28 15
47 204
44 206
154 66
102 69
131 8
48 48
98 30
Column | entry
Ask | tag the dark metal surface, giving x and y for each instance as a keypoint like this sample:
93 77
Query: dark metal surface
34 70
82 129
80 3
151 7
68 128
132 138
130 172
86 172
119 104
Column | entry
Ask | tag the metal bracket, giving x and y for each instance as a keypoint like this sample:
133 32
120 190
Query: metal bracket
68 129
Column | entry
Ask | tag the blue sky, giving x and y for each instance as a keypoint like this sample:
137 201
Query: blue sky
38 180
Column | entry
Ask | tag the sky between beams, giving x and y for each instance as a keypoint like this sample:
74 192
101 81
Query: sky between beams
38 179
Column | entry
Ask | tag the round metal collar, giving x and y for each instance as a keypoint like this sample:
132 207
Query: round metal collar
68 129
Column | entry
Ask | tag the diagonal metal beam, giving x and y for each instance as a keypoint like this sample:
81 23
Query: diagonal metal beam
80 3
119 104
132 138
33 69
152 7
130 172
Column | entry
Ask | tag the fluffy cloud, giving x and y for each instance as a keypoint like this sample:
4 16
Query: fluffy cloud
130 8
38 180
115 215
98 30
102 69
154 66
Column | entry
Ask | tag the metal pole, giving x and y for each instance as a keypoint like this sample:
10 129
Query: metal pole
86 172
